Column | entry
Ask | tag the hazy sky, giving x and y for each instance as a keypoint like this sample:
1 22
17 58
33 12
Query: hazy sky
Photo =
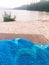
14 3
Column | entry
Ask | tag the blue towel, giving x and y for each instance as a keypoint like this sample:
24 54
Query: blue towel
20 51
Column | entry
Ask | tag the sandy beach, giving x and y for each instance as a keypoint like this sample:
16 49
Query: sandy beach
38 30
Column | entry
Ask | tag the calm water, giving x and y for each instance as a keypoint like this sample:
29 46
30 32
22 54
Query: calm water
23 15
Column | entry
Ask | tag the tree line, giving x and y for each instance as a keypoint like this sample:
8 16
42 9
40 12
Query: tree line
40 6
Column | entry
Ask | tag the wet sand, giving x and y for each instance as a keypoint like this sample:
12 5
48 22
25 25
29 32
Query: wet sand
37 32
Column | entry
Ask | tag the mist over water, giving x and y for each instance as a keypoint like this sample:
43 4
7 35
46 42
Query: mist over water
26 16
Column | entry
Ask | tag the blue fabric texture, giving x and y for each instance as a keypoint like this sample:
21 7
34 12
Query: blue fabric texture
20 51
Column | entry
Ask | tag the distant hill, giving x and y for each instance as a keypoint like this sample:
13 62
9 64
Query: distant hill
24 7
40 6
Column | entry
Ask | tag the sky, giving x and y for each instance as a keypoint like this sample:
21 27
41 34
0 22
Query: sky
15 3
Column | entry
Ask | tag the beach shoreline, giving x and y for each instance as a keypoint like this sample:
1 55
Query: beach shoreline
38 28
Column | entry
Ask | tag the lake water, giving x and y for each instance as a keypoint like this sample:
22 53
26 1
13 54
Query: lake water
26 16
